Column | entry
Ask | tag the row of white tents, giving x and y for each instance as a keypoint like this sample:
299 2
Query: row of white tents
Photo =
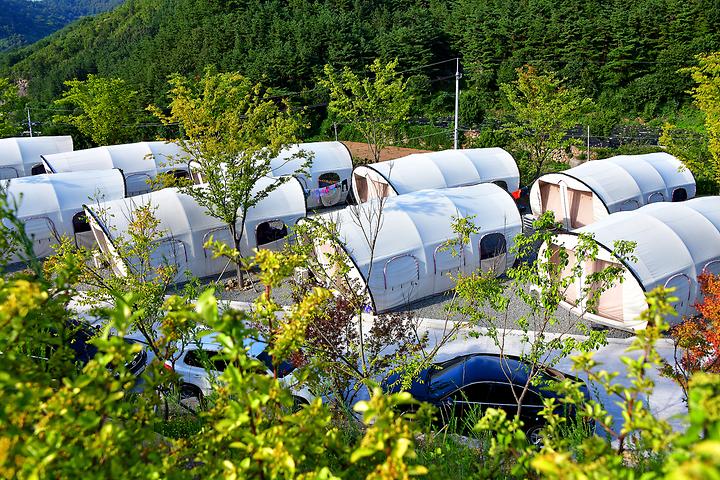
418 195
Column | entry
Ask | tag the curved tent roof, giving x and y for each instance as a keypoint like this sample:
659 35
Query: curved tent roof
139 162
19 155
675 242
597 188
407 262
186 226
47 204
327 158
444 169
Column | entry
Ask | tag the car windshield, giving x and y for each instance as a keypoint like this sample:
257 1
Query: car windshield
453 367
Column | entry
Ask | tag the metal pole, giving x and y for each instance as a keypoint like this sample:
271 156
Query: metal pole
588 144
335 127
458 76
29 122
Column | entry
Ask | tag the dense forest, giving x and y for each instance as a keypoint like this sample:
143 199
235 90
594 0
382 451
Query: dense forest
26 21
625 55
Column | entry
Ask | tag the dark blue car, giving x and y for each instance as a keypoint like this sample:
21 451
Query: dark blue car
486 380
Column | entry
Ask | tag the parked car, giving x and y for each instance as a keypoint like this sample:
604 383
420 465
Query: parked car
486 380
197 380
79 341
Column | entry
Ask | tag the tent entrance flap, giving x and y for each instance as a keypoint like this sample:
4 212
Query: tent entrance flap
361 185
551 199
580 207
611 300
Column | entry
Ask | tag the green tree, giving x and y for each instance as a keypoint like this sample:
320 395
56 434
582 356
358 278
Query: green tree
707 97
375 105
106 110
9 104
233 129
542 110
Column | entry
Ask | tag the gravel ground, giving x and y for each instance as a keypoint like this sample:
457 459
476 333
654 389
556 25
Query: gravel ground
432 307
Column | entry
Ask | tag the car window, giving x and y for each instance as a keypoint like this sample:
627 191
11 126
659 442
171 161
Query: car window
284 369
201 358
475 393
502 394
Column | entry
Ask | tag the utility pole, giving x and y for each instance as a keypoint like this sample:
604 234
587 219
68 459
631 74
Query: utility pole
458 76
29 121
335 127
588 144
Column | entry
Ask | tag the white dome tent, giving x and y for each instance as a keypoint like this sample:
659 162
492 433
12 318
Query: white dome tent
409 261
676 242
140 162
187 226
20 157
51 206
445 169
592 191
327 181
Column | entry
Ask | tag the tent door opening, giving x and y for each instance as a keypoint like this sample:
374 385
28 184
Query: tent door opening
332 180
38 169
271 234
43 233
401 274
81 229
611 300
361 184
7 173
170 252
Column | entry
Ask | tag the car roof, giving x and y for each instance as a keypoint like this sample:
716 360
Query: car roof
209 341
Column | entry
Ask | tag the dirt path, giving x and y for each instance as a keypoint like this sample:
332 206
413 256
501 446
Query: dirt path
361 150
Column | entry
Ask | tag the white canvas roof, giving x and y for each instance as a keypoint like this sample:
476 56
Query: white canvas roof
186 226
327 158
139 162
409 262
444 169
48 203
19 155
676 242
620 183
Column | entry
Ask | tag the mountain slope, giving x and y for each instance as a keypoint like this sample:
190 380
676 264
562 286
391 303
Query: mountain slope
626 56
26 21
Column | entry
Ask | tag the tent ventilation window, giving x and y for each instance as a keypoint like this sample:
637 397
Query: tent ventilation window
656 197
628 205
502 184
38 169
80 223
679 195
493 252
270 231
327 179
179 174
712 267
361 183
401 270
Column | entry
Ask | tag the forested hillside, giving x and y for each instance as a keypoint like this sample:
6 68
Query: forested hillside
626 55
26 21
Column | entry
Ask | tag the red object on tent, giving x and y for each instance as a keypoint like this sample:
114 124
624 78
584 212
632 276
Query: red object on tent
516 194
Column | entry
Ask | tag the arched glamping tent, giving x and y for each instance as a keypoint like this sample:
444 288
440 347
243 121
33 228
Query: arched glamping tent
676 242
327 181
51 206
186 227
409 261
20 157
445 169
592 191
139 162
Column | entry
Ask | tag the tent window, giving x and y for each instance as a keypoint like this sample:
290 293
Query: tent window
502 184
401 270
327 179
270 231
492 245
448 257
80 223
656 197
628 205
38 169
179 174
679 195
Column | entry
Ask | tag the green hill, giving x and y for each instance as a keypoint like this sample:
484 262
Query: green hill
27 21
625 54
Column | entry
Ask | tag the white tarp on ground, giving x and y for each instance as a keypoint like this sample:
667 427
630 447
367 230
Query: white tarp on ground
51 206
327 181
676 242
18 156
433 170
186 226
410 260
589 192
140 162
